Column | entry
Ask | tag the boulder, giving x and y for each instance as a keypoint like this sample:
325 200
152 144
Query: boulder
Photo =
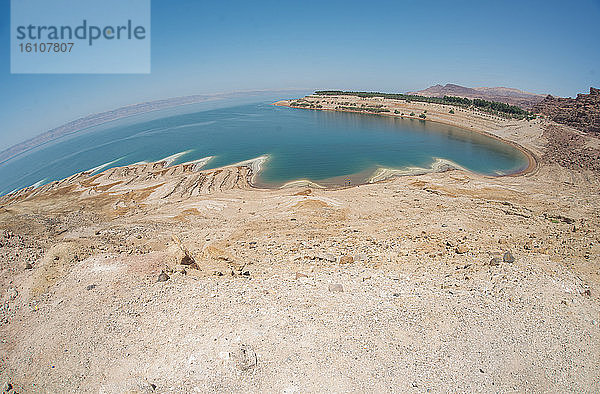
178 255
346 259
163 277
508 257
461 249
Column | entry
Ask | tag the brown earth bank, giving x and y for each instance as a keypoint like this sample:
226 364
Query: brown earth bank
582 112
511 96
151 278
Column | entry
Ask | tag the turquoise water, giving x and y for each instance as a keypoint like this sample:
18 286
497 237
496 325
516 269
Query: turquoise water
322 146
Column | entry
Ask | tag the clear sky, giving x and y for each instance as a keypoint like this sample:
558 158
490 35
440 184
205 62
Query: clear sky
394 46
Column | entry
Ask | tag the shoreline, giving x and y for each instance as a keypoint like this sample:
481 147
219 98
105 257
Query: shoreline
533 161
256 165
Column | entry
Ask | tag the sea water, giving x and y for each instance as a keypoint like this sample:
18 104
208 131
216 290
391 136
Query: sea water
321 146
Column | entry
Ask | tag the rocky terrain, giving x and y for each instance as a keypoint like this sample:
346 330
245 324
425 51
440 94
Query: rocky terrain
157 278
582 113
511 96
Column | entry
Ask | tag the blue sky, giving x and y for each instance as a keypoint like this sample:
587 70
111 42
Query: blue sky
395 46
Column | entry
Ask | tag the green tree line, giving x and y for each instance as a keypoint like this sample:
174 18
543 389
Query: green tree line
485 105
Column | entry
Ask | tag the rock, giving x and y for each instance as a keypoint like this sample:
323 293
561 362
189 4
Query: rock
346 259
460 249
90 287
326 257
28 266
495 261
244 358
581 113
336 288
163 277
508 257
186 259
179 255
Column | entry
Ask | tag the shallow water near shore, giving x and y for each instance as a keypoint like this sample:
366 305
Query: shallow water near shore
329 148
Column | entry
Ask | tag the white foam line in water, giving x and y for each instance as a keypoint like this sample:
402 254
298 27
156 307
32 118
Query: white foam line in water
38 183
438 165
183 126
101 166
170 159
255 164
140 162
200 162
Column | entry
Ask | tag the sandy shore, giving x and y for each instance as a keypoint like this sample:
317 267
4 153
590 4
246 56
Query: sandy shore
403 285
438 165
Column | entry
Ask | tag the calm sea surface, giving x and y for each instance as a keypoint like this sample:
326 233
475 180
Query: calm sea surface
322 146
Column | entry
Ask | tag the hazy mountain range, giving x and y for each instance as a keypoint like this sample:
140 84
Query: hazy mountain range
94 120
107 116
511 96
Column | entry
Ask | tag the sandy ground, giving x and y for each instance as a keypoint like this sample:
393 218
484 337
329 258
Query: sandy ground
398 286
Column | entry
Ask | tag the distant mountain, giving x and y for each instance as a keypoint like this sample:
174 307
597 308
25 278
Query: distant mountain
582 113
511 96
